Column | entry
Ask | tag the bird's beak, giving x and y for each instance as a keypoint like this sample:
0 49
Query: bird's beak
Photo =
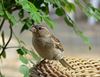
32 29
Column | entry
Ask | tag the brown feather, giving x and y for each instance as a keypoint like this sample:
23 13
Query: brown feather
57 43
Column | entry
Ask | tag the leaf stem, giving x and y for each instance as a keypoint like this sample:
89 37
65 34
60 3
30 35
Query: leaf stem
10 47
10 27
1 25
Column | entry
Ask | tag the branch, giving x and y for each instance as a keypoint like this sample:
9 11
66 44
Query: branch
12 47
10 27
1 25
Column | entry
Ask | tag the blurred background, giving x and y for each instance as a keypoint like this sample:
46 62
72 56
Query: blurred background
73 44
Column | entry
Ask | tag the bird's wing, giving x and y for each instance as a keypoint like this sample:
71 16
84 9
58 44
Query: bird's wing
57 43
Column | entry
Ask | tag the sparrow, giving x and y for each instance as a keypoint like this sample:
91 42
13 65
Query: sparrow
47 45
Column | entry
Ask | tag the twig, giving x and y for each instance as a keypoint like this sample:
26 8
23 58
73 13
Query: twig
7 41
12 47
1 25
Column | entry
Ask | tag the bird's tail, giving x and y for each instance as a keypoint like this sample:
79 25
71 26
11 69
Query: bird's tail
65 64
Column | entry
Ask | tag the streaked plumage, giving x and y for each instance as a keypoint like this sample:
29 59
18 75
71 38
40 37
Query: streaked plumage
47 45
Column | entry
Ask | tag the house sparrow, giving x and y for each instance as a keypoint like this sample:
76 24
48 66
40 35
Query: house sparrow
47 45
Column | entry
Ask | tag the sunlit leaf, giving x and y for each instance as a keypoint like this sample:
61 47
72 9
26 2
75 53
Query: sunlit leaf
29 7
71 23
88 9
23 59
49 22
91 11
69 7
10 17
1 10
24 70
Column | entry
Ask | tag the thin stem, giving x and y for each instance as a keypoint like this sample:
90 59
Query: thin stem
7 41
12 47
1 25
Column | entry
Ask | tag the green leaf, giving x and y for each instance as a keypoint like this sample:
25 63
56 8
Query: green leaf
4 54
1 10
22 51
69 7
34 14
19 51
71 23
88 9
60 12
25 27
49 22
57 2
72 7
36 17
10 17
91 11
27 24
29 7
77 1
24 70
23 59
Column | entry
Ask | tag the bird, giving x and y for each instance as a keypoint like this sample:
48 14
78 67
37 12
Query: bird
47 45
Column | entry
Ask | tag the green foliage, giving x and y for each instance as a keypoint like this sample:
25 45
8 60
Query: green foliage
88 9
31 12
23 59
10 17
22 51
70 22
60 12
1 10
24 70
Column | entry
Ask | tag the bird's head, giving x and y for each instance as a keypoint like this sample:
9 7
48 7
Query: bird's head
40 31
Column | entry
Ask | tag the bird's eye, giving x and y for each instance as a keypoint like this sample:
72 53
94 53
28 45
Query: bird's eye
40 28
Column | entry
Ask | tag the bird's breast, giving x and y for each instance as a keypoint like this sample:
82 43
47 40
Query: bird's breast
46 49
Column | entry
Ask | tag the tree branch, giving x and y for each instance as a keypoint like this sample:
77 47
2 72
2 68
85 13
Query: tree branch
12 47
1 25
10 27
